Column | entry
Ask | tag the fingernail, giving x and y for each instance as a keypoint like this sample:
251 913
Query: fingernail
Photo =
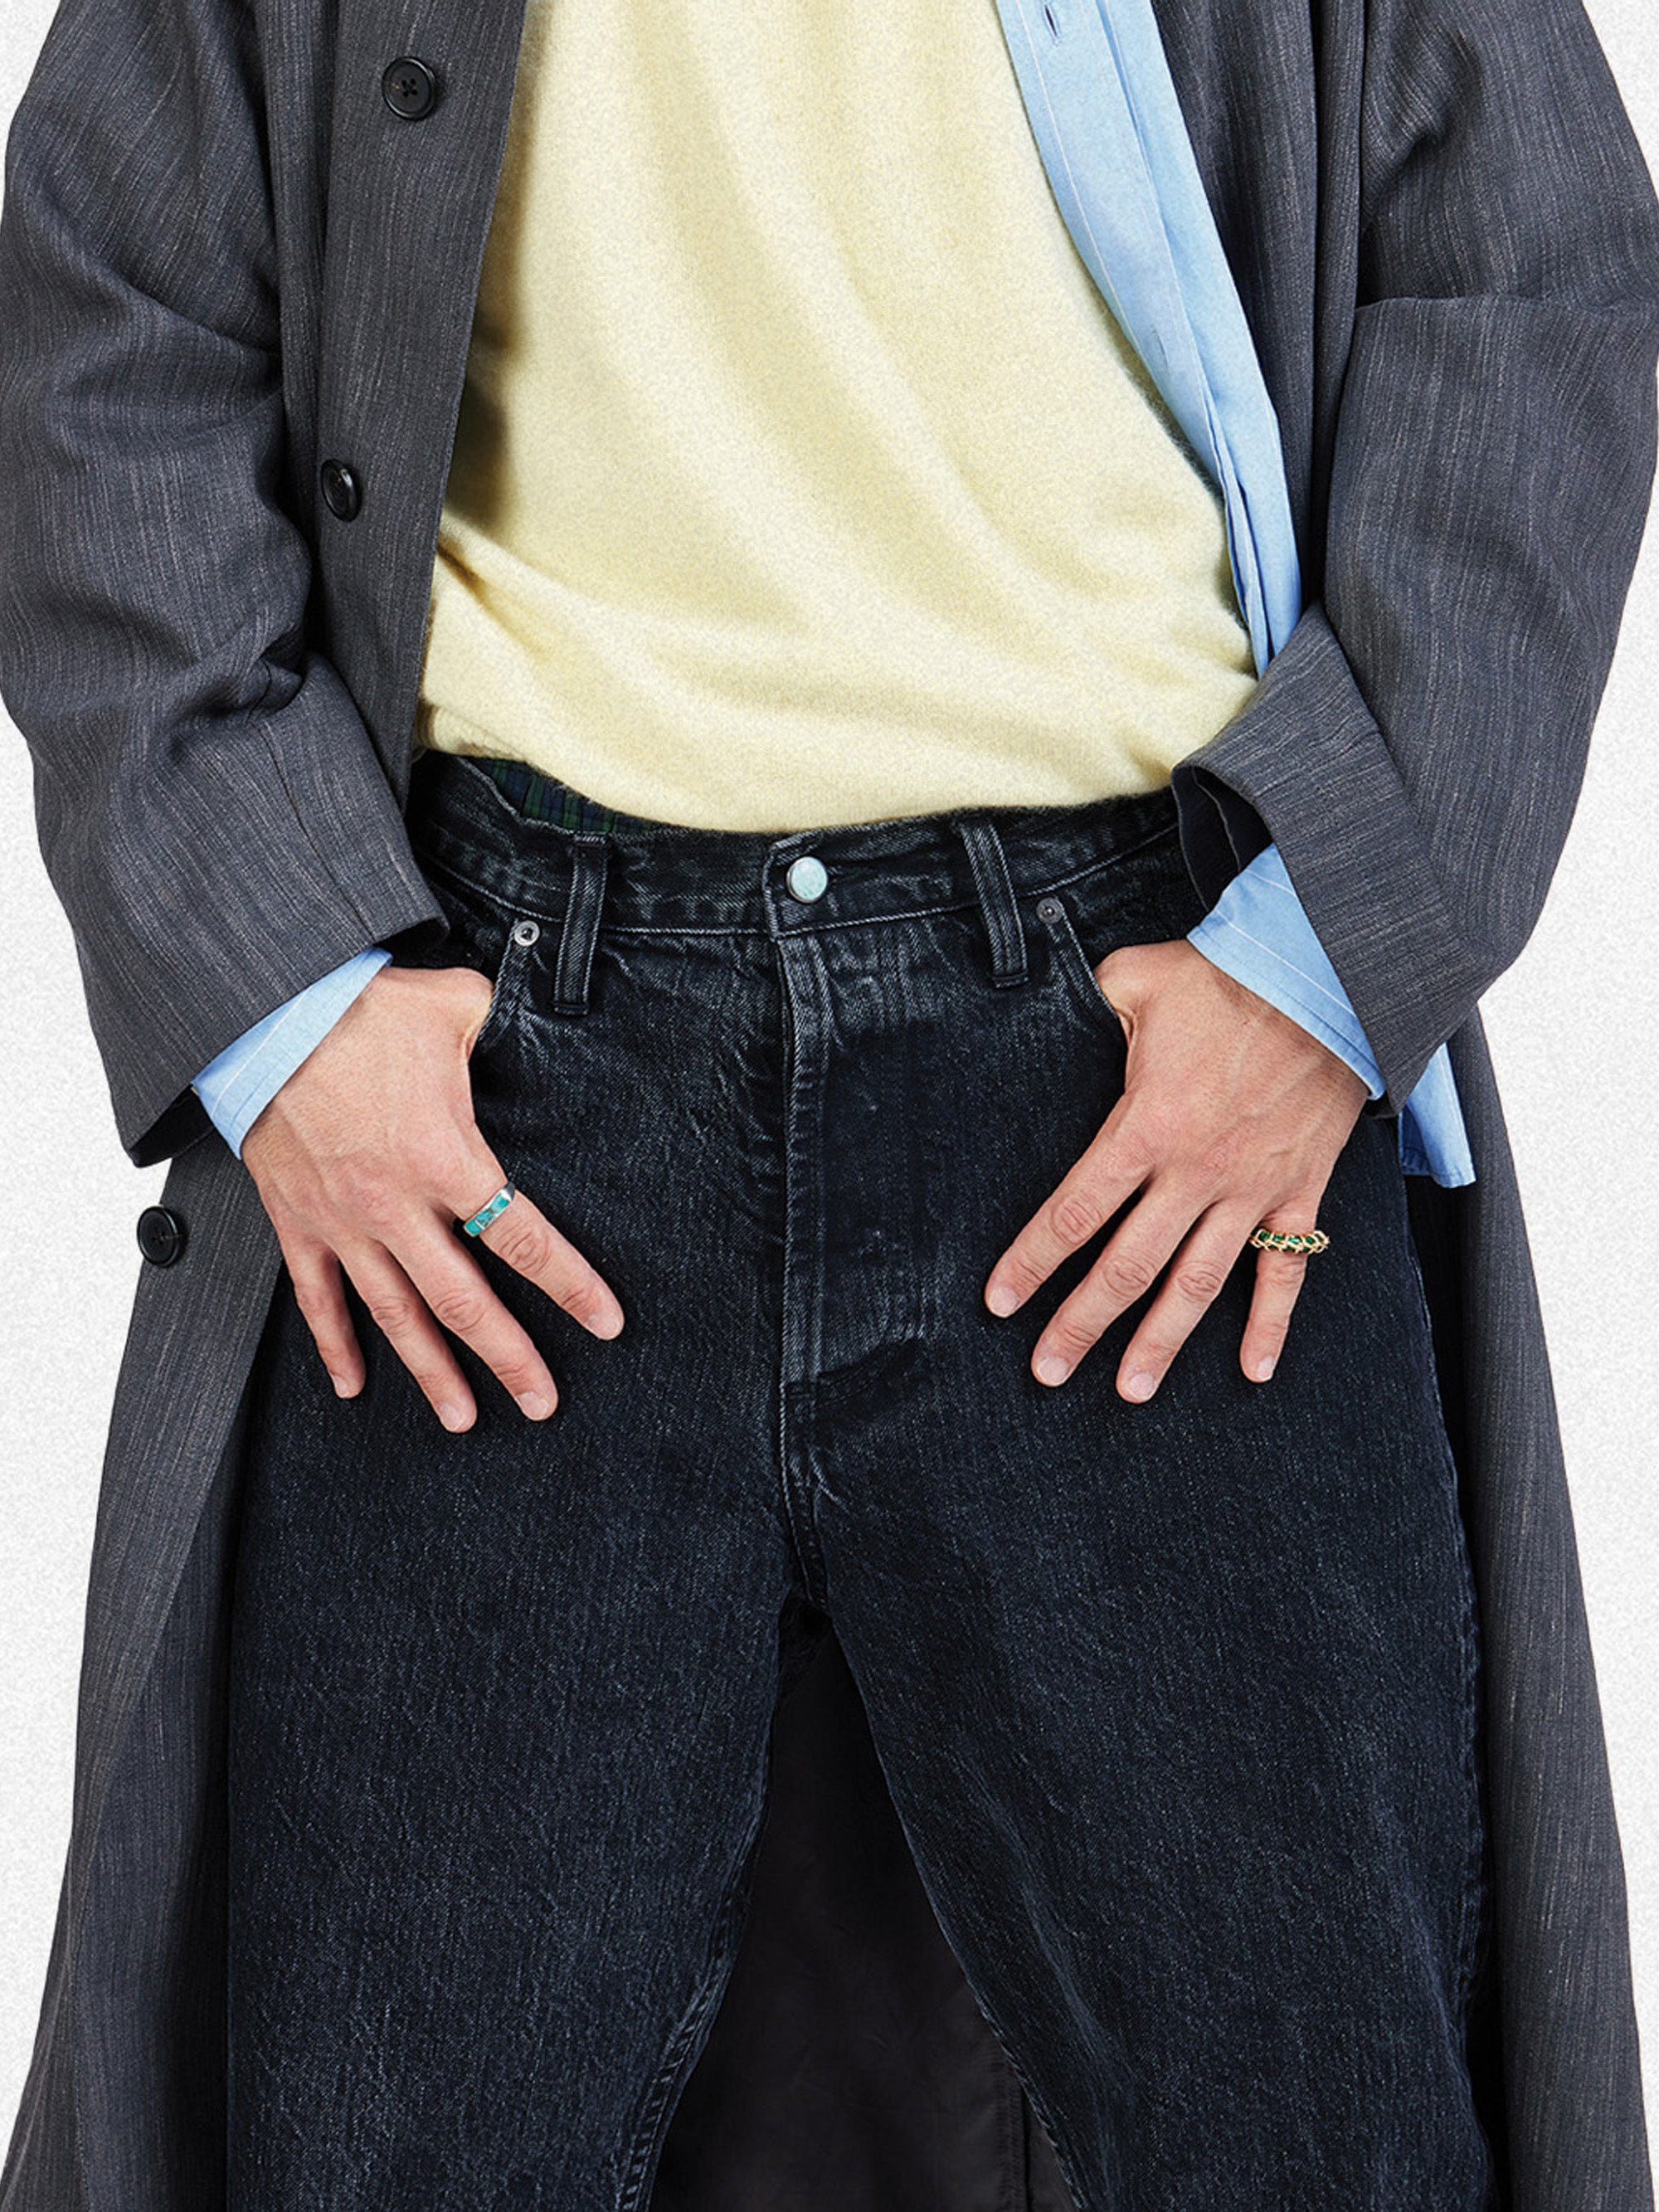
342 1387
607 1325
535 1405
1051 1368
1002 1298
452 1415
1140 1385
1262 1369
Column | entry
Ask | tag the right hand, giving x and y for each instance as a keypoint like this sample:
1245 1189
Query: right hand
367 1160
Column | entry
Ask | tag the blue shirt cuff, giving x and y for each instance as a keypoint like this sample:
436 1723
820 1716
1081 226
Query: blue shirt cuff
248 1073
1259 931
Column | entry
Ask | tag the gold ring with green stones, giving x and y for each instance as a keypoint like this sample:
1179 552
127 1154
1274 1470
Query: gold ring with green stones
1288 1240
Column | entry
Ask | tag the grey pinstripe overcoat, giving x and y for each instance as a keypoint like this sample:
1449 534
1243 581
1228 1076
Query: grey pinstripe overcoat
223 257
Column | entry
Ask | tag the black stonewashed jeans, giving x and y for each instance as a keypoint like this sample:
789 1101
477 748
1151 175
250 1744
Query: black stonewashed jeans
1177 1702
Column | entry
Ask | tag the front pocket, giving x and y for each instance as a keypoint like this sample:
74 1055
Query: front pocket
497 941
1143 896
1072 963
511 972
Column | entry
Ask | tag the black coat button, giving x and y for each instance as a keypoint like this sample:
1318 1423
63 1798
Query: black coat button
408 87
341 488
161 1235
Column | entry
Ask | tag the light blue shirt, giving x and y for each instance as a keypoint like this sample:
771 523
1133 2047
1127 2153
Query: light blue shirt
250 1072
1109 125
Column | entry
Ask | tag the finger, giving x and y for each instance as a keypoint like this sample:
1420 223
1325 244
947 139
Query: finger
459 1299
1085 1198
1126 1268
523 1235
402 1317
1279 1279
319 1293
1196 1276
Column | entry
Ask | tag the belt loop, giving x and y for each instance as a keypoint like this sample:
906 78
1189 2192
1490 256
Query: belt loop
996 897
589 852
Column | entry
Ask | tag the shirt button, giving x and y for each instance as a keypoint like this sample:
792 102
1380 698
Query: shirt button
807 879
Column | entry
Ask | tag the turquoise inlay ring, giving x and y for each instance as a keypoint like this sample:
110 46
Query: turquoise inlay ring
489 1210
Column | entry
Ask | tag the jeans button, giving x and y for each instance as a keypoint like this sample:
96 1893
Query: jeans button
807 878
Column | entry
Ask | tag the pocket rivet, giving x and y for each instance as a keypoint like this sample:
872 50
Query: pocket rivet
1050 910
526 932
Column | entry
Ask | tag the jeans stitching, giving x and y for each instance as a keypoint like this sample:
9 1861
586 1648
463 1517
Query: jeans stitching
1074 966
1473 1901
655 2107
512 902
507 993
1109 860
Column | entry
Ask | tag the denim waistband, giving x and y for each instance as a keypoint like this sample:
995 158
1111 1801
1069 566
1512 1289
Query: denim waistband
522 839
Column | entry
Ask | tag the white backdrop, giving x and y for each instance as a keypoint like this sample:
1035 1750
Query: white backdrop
1573 1027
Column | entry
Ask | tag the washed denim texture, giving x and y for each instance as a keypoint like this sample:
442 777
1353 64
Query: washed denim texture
1178 1703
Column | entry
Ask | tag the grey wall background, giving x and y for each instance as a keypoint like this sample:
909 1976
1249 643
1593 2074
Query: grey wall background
1575 1031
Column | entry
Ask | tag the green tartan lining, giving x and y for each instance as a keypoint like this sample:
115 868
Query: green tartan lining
541 798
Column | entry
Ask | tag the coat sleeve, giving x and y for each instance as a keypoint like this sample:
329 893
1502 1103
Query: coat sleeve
153 590
1416 748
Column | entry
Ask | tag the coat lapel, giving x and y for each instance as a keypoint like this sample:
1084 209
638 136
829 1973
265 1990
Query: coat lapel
410 205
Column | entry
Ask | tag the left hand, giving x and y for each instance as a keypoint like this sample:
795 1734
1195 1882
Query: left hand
1232 1115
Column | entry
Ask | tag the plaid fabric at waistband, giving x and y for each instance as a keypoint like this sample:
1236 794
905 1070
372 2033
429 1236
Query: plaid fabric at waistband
543 799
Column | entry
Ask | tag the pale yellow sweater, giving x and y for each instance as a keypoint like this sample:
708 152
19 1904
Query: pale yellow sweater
802 474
